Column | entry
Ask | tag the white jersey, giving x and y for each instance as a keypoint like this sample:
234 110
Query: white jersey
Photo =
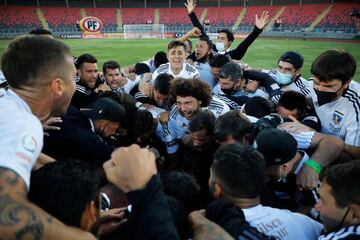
178 125
187 72
151 64
205 73
341 117
130 84
282 224
240 93
21 138
2 77
300 84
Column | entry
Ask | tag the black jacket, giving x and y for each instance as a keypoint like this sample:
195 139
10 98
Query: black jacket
150 217
237 53
76 140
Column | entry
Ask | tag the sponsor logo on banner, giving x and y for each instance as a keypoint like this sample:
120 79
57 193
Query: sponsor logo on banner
94 36
91 24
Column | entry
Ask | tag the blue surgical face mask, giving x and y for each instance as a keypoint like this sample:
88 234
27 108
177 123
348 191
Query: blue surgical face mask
220 47
282 78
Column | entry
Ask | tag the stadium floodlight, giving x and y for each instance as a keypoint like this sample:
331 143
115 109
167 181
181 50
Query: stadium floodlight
144 31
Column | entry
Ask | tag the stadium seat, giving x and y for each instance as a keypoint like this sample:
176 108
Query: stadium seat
339 16
18 17
61 17
296 16
137 15
223 17
106 15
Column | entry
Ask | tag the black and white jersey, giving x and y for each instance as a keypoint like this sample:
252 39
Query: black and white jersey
300 84
350 233
341 117
178 125
187 72
85 96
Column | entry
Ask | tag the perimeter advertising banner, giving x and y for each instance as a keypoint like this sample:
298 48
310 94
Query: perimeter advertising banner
91 27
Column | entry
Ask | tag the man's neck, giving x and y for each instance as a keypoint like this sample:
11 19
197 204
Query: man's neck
176 71
244 202
38 104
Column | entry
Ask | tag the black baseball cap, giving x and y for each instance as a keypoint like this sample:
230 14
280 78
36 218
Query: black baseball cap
278 147
107 109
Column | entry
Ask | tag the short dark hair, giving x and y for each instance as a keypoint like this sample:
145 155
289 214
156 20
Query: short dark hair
40 31
334 64
344 180
85 58
203 119
240 170
111 64
232 123
294 58
207 40
160 58
231 70
64 188
30 59
229 34
219 60
143 123
257 107
292 100
182 186
191 87
141 68
162 83
175 43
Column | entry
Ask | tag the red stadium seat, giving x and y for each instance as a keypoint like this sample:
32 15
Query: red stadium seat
137 15
61 17
18 17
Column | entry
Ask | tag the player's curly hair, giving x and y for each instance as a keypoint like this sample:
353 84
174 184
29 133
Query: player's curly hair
191 87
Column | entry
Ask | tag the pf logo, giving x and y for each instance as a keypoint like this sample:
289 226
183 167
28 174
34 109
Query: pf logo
91 25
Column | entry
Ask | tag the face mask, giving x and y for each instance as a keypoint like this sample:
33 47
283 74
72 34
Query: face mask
325 97
282 78
220 47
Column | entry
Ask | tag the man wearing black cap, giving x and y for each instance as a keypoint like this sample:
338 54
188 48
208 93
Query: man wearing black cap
288 73
283 163
82 134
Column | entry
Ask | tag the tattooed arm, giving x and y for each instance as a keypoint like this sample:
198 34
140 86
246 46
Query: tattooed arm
20 219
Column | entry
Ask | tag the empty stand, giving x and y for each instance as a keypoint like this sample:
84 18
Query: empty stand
339 16
18 17
223 17
61 17
296 16
106 15
137 15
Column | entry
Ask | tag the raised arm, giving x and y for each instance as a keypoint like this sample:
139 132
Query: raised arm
239 52
190 5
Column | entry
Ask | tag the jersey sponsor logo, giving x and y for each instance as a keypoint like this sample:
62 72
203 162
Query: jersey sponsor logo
27 148
337 118
29 143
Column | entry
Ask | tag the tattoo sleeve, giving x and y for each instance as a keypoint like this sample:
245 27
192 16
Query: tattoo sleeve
17 219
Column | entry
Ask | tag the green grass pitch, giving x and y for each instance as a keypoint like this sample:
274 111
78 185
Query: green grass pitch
263 53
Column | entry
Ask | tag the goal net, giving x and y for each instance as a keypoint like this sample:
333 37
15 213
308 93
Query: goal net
144 31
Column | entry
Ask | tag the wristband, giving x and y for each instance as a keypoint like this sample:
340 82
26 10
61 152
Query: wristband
314 165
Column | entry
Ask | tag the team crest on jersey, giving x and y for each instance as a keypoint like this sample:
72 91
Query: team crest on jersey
337 118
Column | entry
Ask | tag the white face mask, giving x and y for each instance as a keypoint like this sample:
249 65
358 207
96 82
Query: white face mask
220 47
282 78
